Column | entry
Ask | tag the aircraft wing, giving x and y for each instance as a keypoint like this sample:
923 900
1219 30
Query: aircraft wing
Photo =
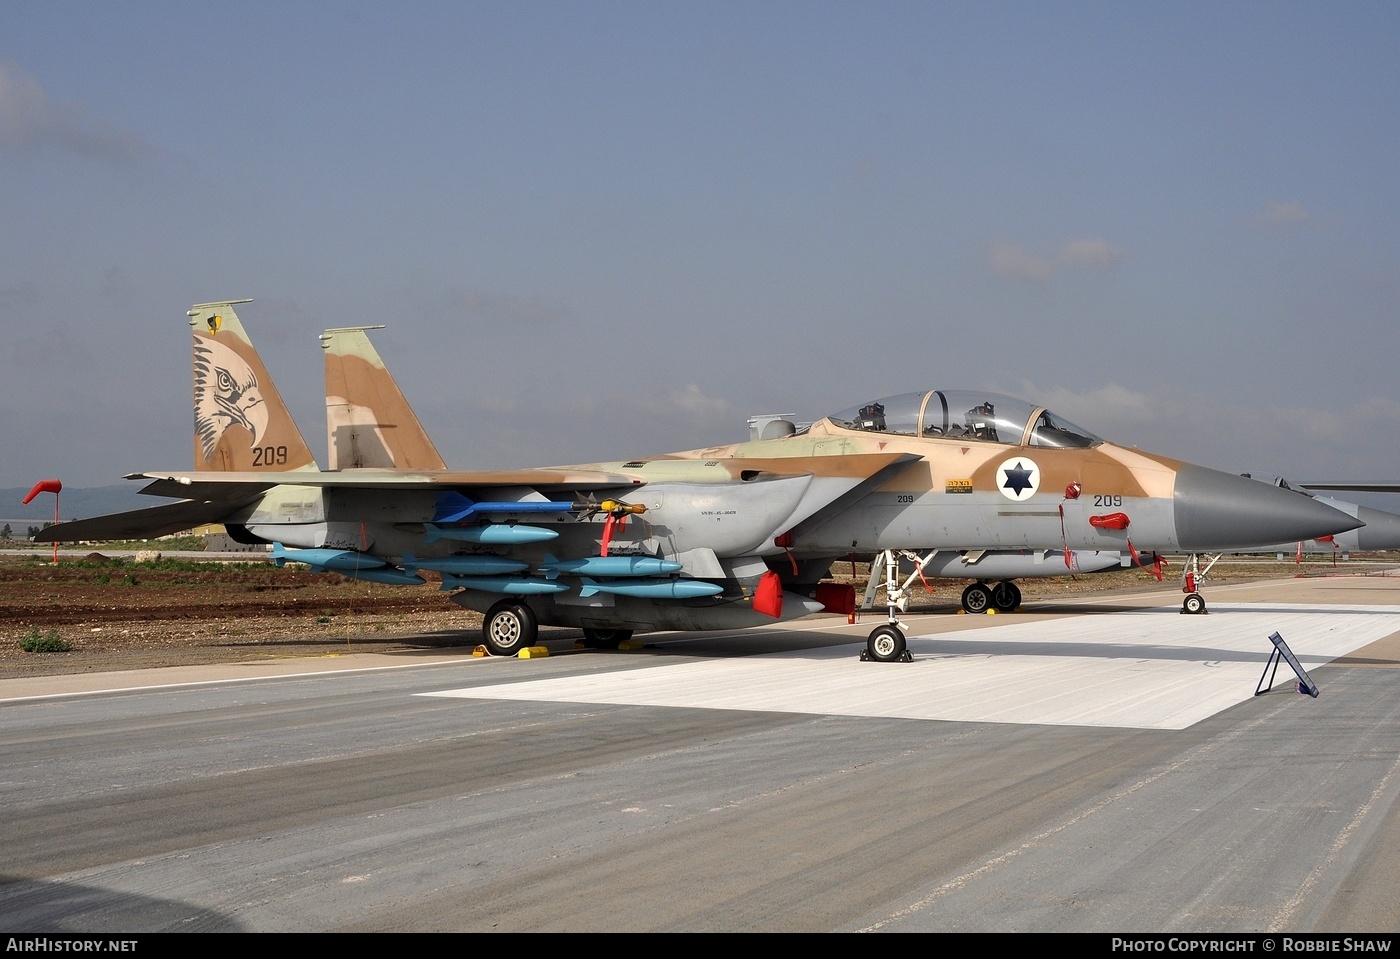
211 497
140 523
225 486
866 468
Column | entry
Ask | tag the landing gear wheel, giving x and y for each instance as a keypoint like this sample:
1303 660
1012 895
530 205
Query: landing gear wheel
509 627
886 644
1193 603
605 638
1006 597
976 598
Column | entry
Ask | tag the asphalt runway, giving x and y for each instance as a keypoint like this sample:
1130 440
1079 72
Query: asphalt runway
1092 766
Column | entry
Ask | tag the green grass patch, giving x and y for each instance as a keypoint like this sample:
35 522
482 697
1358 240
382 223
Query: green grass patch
50 642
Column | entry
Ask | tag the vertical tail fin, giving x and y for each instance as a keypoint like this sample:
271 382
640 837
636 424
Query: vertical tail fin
368 421
240 421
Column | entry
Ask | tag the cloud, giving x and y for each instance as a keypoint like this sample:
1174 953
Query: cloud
1301 442
1011 259
30 120
1088 407
690 399
1283 215
1088 253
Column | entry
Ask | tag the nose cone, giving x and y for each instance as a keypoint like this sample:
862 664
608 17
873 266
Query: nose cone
1216 511
1382 529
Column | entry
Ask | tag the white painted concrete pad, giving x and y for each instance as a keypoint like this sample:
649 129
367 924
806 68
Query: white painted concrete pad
1154 668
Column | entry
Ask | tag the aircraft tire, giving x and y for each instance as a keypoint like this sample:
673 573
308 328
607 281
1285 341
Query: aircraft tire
1006 596
509 627
605 638
1193 603
977 598
886 643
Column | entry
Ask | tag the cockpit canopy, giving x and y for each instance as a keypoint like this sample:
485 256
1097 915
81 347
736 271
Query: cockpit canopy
967 415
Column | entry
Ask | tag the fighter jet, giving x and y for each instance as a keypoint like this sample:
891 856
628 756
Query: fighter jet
370 422
718 538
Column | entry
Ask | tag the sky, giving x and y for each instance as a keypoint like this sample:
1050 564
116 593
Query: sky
603 230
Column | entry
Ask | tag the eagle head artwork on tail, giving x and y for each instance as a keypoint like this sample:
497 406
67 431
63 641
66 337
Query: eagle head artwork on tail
225 394
240 421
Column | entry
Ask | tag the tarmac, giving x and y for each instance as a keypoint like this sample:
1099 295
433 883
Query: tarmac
1095 765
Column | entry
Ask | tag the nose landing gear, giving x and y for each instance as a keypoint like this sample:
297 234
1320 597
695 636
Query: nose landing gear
1192 578
887 643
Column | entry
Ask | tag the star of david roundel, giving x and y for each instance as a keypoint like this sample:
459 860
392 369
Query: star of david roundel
1018 478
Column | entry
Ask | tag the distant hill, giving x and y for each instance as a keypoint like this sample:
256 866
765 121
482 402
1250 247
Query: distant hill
74 503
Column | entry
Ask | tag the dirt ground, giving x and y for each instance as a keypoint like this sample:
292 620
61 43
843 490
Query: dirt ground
119 614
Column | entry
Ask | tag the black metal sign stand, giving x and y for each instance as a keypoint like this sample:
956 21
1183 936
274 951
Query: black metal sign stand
1281 651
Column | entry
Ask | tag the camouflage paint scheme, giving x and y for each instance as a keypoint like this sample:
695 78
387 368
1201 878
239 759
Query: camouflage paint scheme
240 421
737 516
368 421
367 411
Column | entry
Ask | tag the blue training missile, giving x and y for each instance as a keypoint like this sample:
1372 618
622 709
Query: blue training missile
609 566
467 565
453 507
652 588
340 560
509 585
497 534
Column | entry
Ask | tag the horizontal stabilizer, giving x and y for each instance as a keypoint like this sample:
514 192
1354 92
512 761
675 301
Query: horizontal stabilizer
137 524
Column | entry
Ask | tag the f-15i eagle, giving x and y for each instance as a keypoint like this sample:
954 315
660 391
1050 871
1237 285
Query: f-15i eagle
718 538
369 422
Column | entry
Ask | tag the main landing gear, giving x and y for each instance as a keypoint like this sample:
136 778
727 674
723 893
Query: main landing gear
1004 597
605 638
509 627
